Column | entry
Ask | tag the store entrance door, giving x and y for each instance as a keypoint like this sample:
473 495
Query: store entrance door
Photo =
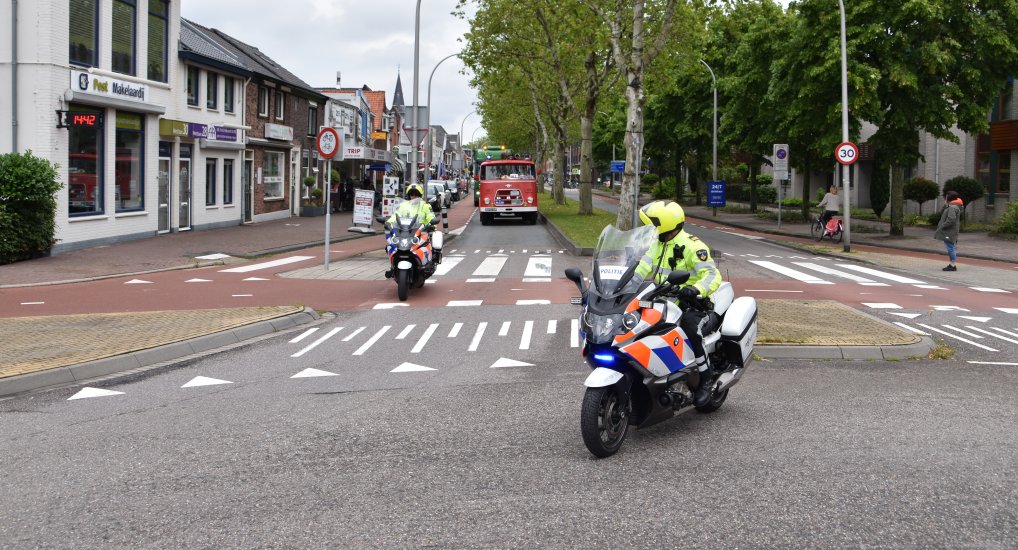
184 182
165 161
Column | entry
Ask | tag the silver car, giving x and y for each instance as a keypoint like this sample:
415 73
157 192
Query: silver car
439 189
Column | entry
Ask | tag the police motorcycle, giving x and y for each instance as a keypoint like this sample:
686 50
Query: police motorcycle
414 251
642 364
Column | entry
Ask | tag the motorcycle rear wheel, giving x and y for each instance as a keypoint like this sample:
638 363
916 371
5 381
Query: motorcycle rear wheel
604 421
715 403
402 284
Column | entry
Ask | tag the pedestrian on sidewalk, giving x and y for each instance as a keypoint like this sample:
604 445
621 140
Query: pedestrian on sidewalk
947 229
831 203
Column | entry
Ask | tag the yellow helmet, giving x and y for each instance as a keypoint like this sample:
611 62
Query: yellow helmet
665 216
415 187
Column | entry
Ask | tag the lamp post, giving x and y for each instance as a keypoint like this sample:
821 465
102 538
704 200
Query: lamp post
463 156
413 116
431 138
844 131
714 173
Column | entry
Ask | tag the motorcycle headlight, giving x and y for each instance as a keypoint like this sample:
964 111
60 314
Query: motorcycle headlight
416 240
631 319
604 327
404 242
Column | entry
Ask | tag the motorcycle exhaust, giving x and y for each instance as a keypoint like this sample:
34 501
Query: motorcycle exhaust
728 379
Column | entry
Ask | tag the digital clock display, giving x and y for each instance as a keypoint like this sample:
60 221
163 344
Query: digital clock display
84 120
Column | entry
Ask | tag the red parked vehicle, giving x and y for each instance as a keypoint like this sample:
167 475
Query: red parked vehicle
507 189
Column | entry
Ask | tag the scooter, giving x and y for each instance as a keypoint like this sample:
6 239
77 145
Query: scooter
414 251
641 360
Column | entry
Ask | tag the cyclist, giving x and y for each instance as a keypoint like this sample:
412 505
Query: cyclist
831 204
678 250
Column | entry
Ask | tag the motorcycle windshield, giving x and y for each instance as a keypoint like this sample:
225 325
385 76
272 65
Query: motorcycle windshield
405 227
616 258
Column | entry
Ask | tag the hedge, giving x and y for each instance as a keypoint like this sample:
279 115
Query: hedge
28 205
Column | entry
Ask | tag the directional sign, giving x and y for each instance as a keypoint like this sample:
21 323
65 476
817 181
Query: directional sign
846 153
328 142
618 166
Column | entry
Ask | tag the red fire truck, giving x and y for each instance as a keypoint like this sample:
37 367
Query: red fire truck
507 188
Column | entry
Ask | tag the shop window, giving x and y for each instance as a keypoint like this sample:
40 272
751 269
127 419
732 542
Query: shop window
210 181
984 161
313 121
229 85
84 32
158 33
85 168
130 158
263 101
192 86
227 181
211 90
123 36
272 174
279 105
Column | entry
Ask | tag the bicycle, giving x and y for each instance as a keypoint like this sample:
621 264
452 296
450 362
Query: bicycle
834 230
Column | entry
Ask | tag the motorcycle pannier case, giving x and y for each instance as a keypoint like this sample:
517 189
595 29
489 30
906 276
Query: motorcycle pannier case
738 331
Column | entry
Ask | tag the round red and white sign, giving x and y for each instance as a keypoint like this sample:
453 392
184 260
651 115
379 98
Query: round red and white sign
328 142
846 153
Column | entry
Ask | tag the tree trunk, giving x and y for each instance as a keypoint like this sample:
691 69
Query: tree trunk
753 169
897 200
586 163
807 185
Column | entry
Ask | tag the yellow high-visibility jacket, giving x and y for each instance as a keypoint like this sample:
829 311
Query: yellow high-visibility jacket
690 254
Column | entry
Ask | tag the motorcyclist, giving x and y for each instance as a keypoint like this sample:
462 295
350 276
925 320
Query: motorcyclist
677 250
415 206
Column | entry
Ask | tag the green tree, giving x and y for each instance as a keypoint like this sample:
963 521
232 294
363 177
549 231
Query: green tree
925 66
920 190
967 188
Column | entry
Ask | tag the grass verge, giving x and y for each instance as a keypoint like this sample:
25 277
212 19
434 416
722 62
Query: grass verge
582 230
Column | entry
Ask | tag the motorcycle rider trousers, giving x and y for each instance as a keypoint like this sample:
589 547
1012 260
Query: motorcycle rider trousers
695 324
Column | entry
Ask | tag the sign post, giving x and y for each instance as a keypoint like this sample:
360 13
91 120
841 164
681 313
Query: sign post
780 171
846 153
327 144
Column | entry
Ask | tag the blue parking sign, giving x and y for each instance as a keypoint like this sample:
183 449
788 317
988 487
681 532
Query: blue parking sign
716 193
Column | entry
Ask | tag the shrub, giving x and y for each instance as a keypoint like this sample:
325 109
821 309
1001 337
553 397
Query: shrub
764 179
309 181
650 180
766 194
920 190
27 206
663 190
1008 222
820 194
967 188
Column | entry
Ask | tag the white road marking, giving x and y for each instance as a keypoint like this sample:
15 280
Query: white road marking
829 271
984 289
883 305
915 330
256 279
769 290
482 280
993 363
477 336
390 305
304 335
424 338
266 265
574 333
963 331
353 334
198 381
881 274
464 303
138 282
242 295
411 367
448 262
1004 338
313 373
537 280
490 267
1007 309
372 340
552 326
1009 333
927 327
528 329
532 302
85 393
948 308
930 287
977 319
505 328
504 362
406 330
789 272
455 330
216 256
32 303
315 344
906 315
198 281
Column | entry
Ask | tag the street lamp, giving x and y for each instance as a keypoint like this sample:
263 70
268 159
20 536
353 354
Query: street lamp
431 137
413 116
463 156
844 131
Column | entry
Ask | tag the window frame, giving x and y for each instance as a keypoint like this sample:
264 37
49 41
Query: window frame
141 161
153 19
193 84
280 110
133 71
312 120
211 171
277 179
100 167
229 91
94 62
228 177
211 91
263 101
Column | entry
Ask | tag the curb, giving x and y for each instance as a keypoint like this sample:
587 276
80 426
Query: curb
153 357
855 353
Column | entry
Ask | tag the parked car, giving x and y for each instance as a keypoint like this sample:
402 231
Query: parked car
437 193
454 188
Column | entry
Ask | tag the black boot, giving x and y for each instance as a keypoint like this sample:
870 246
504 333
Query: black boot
704 391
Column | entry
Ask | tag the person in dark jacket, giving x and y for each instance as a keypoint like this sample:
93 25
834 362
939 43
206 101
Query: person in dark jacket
947 229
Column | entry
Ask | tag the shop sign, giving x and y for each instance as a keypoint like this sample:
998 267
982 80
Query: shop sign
93 84
278 131
170 127
379 135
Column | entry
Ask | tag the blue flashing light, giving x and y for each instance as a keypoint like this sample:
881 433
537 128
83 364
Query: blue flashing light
604 358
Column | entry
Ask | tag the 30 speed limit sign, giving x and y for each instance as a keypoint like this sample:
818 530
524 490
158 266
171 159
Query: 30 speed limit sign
846 153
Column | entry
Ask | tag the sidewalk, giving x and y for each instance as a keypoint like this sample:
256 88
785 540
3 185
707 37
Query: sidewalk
96 345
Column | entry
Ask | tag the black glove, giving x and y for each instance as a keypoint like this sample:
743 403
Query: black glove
688 293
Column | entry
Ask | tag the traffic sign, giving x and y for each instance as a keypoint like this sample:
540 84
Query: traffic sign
716 193
328 142
415 135
781 161
846 153
618 166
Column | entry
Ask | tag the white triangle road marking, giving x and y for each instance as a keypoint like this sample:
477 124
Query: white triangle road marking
906 315
411 367
85 393
503 362
138 282
978 319
881 305
216 256
985 289
312 373
1013 310
204 381
198 281
390 306
256 279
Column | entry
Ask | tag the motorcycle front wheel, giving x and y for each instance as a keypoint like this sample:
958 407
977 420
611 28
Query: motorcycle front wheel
402 284
604 421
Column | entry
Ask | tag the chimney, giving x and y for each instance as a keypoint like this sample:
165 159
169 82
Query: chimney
339 78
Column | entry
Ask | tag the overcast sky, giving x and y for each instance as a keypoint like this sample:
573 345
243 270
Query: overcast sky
367 41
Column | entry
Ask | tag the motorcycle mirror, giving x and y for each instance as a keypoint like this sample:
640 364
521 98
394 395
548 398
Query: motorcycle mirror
576 276
380 219
676 278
